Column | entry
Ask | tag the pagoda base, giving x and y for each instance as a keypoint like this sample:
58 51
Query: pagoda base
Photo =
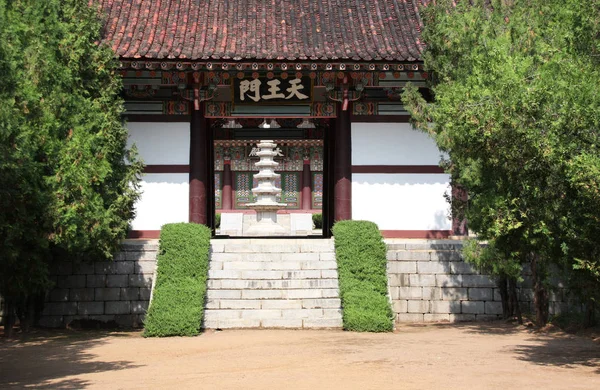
266 225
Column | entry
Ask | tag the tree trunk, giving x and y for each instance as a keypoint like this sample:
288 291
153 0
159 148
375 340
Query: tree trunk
9 318
27 314
502 285
540 295
510 301
514 300
589 319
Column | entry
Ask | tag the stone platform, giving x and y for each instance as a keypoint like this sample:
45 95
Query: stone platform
430 282
106 291
285 283
294 224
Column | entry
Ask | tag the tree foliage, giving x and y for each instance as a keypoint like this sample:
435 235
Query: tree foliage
67 181
517 111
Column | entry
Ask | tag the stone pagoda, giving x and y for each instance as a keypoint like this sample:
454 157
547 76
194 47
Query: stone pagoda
266 204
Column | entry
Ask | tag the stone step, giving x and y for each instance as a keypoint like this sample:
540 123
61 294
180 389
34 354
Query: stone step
252 299
258 245
273 265
301 313
273 317
277 300
293 298
273 274
262 284
274 323
273 257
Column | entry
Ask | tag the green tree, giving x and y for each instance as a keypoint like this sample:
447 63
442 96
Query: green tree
516 109
500 265
67 181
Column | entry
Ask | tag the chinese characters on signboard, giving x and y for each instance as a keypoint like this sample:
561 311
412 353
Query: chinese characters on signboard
274 90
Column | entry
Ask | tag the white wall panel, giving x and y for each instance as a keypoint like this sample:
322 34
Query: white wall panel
392 144
402 201
161 143
165 199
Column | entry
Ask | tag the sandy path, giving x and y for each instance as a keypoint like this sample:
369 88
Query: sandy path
433 356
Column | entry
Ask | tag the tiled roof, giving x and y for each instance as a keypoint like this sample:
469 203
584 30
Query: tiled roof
353 30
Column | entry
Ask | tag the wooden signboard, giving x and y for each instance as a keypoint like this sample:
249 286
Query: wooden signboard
275 90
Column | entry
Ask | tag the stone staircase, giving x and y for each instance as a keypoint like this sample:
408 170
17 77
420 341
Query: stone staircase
272 283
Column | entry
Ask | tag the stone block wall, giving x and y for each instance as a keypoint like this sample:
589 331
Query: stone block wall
430 282
116 291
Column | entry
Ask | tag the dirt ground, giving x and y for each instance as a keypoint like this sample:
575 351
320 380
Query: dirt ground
467 356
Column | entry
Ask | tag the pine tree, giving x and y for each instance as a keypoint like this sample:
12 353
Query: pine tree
68 183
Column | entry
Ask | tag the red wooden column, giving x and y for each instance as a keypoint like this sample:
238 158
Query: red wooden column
306 186
226 197
199 161
342 166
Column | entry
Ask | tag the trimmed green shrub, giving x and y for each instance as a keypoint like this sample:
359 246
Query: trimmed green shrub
367 311
318 221
176 310
217 221
362 268
179 293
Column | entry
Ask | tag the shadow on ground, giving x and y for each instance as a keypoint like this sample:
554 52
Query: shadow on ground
561 351
544 348
483 327
46 359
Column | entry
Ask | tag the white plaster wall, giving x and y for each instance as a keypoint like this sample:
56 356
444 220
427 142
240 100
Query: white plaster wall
402 201
161 143
392 144
165 199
